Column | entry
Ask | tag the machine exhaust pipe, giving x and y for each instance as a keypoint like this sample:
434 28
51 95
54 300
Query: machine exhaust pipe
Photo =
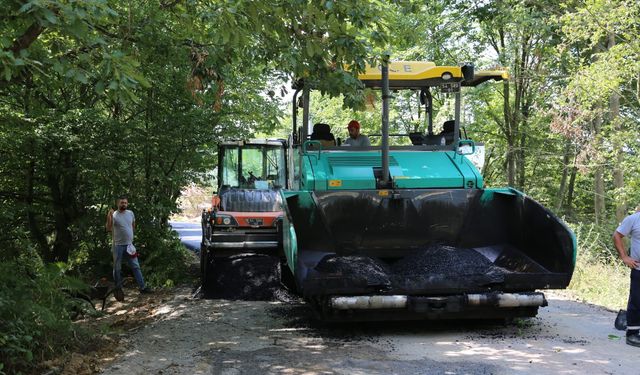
369 302
507 299
500 300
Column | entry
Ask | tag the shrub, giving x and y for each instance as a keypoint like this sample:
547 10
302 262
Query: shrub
163 258
35 322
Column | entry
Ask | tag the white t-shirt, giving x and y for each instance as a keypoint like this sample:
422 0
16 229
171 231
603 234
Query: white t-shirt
123 227
361 141
630 227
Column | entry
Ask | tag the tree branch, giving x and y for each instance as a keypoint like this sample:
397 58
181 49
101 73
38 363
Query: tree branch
26 39
169 4
115 36
495 118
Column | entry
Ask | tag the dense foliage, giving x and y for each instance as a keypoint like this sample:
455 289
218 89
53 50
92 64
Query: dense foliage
100 98
36 311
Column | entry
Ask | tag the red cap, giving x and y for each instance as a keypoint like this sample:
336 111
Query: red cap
353 124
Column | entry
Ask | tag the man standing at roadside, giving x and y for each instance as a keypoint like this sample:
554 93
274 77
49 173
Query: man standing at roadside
630 227
121 224
355 138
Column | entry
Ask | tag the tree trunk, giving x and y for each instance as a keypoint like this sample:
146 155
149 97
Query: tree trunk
618 174
572 183
598 185
522 155
32 221
511 150
62 187
565 174
520 110
598 178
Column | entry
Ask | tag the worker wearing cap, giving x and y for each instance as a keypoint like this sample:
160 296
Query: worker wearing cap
630 227
355 138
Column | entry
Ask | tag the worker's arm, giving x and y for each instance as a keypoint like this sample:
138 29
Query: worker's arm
133 225
109 224
622 252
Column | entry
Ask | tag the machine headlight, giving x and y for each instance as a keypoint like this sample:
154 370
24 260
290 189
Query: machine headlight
446 76
226 221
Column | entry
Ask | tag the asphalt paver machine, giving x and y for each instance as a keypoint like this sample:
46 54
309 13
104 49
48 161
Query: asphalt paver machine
411 232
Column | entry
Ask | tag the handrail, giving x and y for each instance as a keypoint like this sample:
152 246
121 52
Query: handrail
307 143
463 142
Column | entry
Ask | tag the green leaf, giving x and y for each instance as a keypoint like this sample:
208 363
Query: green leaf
99 88
310 49
81 77
50 16
57 67
140 79
26 7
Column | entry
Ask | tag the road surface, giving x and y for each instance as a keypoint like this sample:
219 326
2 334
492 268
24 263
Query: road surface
197 336
190 233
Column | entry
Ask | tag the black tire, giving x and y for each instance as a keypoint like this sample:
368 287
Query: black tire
252 277
206 236
208 265
286 277
203 254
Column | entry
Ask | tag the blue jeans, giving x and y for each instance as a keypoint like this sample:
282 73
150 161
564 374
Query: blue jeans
120 251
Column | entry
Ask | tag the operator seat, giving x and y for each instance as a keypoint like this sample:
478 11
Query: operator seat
322 133
416 138
448 129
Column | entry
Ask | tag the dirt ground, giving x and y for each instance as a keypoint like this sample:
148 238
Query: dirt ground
170 332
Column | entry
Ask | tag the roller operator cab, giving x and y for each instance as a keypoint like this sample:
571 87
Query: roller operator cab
410 231
246 212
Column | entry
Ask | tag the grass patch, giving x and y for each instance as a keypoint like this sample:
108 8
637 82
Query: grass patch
600 277
601 283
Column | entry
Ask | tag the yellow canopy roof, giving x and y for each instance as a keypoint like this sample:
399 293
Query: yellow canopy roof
486 75
418 74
